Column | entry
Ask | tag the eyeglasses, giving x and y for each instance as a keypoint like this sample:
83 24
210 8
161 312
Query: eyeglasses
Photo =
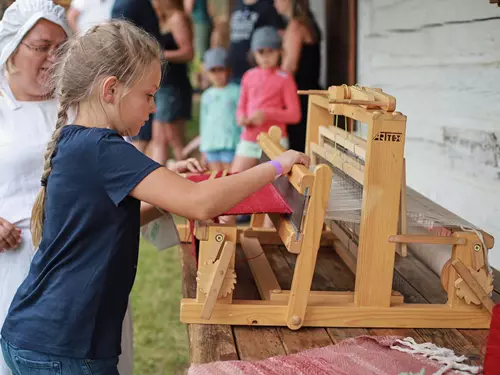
41 49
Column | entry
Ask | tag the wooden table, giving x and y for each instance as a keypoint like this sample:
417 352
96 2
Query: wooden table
412 278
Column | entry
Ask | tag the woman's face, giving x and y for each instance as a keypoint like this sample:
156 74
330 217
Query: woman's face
35 55
282 6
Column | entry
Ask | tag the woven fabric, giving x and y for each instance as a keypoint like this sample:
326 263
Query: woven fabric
266 200
363 355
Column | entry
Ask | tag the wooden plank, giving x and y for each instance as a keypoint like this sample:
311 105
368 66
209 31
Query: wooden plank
218 339
306 337
259 265
327 298
253 343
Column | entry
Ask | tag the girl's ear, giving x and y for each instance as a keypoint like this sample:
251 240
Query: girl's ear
109 89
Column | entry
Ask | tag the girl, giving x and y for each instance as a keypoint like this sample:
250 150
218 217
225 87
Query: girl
301 58
268 97
66 317
219 132
27 117
174 98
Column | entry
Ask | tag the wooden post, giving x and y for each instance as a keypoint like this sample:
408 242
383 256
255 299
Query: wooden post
380 213
306 260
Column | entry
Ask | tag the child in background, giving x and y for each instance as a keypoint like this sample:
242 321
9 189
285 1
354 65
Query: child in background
219 131
268 97
66 317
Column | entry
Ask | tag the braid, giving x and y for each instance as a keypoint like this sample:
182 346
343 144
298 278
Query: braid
37 214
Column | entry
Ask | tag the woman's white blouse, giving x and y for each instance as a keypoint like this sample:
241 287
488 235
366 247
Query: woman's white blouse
25 129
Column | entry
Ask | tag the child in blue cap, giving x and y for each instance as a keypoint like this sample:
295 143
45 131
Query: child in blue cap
219 132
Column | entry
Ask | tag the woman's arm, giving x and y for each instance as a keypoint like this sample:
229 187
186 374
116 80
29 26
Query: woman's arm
207 199
181 29
292 46
188 6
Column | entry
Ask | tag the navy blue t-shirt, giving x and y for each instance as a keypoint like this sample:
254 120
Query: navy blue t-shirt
74 299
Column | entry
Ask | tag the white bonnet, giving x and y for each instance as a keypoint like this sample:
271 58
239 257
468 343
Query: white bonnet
21 16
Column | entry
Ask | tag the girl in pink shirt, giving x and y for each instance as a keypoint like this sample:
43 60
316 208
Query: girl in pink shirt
268 97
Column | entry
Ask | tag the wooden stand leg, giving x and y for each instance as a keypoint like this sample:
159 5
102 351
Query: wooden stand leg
380 213
306 259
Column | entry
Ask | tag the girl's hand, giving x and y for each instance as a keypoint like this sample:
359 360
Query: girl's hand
10 236
189 165
257 118
243 121
291 157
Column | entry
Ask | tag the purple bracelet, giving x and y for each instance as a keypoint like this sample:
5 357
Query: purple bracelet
277 166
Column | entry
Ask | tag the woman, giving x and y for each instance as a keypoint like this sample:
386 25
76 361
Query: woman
30 32
174 98
301 58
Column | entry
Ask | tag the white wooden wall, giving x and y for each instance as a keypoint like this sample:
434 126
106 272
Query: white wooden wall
441 60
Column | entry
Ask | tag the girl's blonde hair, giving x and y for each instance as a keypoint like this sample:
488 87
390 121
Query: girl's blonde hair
116 48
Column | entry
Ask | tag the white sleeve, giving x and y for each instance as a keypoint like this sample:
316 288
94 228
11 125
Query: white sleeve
78 5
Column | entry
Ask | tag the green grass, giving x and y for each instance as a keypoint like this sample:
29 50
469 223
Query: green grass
160 339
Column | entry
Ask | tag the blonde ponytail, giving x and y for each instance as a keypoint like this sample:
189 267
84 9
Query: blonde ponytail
37 214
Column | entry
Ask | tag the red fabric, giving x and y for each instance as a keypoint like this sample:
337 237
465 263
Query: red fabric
266 200
363 355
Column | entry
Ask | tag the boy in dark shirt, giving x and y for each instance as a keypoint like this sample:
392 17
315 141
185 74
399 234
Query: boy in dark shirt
247 16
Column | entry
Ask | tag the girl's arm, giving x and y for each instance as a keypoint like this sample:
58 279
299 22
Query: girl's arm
291 113
241 113
183 36
207 199
292 46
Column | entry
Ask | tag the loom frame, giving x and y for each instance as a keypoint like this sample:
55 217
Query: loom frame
373 303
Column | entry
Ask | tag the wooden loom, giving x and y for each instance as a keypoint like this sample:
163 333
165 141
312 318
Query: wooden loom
372 303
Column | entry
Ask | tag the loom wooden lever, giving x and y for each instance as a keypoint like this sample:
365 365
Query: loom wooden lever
423 239
473 284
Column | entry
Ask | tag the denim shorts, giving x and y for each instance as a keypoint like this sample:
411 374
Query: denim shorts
21 362
174 102
221 156
252 149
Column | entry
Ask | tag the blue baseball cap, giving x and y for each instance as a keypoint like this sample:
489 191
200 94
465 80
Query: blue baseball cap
265 37
215 58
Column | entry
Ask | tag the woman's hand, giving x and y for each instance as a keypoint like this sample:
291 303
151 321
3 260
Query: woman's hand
291 157
189 165
10 236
